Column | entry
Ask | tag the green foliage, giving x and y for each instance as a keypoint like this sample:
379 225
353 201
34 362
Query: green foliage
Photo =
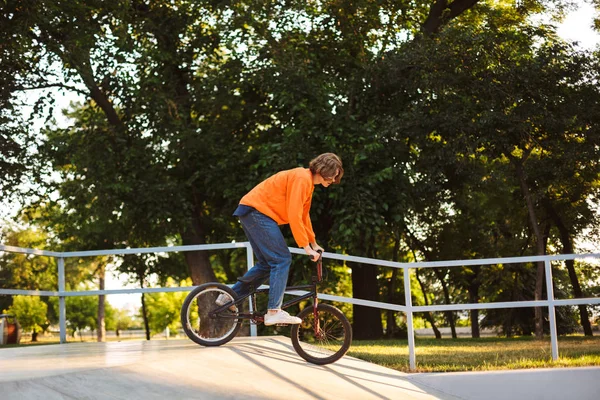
25 271
441 119
30 312
120 320
164 308
82 312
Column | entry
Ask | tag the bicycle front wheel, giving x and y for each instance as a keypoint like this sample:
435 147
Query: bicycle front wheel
324 339
199 321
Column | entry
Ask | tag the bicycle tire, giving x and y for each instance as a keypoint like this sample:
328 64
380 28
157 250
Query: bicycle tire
197 324
332 340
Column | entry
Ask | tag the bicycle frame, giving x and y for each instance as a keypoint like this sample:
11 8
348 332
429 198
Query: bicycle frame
320 335
257 317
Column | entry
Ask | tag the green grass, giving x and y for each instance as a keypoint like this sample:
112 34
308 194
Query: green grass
484 354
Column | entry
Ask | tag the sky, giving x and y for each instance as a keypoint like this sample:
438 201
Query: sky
577 26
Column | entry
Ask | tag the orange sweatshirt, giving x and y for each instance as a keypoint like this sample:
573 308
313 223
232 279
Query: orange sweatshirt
286 197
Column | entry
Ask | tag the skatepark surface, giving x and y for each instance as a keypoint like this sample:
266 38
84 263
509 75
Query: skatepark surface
255 368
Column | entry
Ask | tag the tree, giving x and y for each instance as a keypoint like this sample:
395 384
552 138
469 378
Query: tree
121 321
164 309
30 312
513 99
181 97
25 271
82 312
14 136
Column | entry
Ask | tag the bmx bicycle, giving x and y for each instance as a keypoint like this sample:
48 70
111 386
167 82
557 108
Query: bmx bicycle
323 337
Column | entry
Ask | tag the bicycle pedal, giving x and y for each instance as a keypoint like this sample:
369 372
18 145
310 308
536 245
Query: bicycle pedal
281 324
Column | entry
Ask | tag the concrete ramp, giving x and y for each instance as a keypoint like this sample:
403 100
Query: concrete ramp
255 368
246 368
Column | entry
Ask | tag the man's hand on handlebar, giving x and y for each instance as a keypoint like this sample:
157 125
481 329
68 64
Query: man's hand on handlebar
316 247
312 253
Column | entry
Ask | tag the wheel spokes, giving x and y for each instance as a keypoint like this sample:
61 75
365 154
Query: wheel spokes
199 319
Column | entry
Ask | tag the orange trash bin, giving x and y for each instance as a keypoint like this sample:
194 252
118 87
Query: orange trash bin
10 330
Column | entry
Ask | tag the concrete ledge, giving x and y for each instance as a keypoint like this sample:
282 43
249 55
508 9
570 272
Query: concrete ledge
255 368
246 368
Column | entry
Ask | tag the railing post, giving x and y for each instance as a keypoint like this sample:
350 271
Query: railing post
551 310
62 312
409 320
250 264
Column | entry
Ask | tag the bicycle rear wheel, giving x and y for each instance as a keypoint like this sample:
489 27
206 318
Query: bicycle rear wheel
197 322
329 341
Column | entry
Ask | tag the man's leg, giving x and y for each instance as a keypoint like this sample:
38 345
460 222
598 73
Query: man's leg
268 239
268 242
269 245
259 273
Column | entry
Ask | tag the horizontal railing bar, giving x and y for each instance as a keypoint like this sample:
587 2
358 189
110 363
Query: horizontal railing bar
480 306
457 263
14 249
166 249
144 250
17 292
507 260
342 257
577 302
358 302
452 263
333 256
124 291
506 304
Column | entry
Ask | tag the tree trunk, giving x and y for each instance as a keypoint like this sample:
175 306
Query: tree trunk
224 258
540 249
144 311
416 242
367 320
198 261
427 314
449 314
101 331
392 328
34 336
565 238
473 299
510 315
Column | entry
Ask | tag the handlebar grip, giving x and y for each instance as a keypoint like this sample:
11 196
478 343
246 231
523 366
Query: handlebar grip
320 266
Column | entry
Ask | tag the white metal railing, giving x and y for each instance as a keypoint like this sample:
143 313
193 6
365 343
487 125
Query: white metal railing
408 308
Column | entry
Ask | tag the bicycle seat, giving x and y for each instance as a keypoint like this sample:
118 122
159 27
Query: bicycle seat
244 280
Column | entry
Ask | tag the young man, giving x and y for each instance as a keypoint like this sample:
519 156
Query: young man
284 198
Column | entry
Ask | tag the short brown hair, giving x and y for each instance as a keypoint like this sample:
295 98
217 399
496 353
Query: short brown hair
327 165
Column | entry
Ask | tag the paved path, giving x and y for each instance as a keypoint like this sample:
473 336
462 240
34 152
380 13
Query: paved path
254 368
526 384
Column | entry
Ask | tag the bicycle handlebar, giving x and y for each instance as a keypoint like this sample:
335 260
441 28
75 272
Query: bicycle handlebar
320 266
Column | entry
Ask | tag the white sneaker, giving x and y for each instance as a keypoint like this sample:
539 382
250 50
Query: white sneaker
281 317
224 299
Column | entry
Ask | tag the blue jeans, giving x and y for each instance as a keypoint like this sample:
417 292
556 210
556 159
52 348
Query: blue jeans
271 251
